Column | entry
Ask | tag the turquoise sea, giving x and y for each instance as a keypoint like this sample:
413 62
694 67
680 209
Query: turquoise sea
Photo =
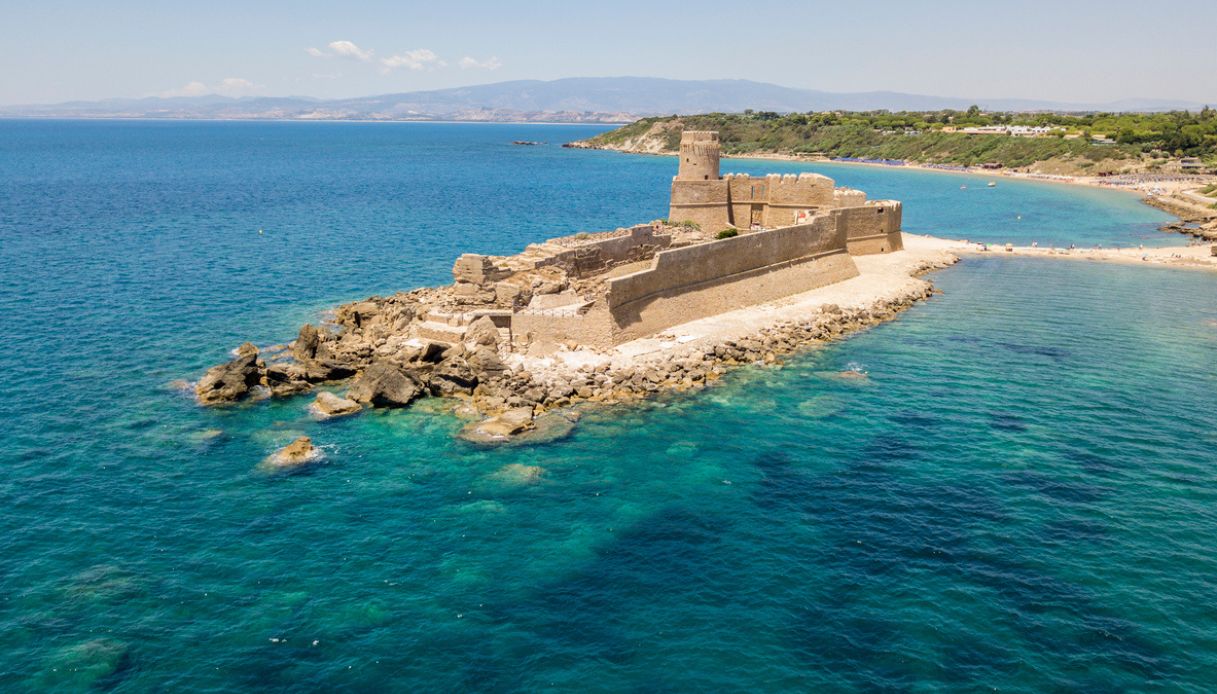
1021 497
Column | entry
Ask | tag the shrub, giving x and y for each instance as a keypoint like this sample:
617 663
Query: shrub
689 223
726 233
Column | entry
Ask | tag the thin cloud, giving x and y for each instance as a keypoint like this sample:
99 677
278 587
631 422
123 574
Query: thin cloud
417 60
341 49
471 63
229 86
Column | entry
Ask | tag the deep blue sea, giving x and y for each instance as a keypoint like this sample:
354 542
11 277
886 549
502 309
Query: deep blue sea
1022 497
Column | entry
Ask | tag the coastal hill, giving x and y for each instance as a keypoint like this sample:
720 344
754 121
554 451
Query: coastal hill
1086 144
585 99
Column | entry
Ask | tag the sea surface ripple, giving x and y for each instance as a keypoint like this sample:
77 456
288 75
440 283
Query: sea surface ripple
1021 495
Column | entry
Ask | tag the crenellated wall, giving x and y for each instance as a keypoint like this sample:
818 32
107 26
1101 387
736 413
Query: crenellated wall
743 201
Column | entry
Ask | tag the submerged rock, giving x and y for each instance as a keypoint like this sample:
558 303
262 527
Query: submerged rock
518 474
206 435
96 664
327 405
500 428
298 452
232 380
385 384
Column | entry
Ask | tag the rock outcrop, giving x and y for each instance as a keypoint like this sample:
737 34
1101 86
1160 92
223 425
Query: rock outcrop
297 453
233 380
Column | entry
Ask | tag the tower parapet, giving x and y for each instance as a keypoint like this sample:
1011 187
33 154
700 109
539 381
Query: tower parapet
699 154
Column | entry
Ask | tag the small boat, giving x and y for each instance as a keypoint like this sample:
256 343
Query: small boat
963 187
992 184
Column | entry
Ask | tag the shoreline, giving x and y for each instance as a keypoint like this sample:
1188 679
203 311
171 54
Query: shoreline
1192 257
1144 190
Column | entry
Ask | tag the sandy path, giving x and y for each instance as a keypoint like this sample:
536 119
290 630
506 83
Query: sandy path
1197 256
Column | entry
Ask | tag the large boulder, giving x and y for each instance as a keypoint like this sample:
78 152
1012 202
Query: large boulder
233 380
485 362
327 405
317 371
482 332
453 376
285 379
385 384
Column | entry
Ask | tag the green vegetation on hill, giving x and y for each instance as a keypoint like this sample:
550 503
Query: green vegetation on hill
933 137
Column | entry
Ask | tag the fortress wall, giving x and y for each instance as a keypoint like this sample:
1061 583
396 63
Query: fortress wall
871 228
789 194
781 197
745 191
694 282
703 202
803 190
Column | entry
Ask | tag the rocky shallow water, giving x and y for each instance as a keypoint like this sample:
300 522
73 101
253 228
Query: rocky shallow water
1008 486
371 351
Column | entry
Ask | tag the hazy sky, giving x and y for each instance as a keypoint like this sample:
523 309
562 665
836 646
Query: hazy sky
1067 50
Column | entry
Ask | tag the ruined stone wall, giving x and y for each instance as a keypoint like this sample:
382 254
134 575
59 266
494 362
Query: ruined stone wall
576 257
542 331
872 228
688 283
640 243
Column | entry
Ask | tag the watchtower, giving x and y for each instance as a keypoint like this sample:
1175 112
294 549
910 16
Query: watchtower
699 152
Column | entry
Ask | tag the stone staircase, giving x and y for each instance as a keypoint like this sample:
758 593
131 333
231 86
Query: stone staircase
450 327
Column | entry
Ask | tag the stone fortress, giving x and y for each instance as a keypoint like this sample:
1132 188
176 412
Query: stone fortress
593 317
795 233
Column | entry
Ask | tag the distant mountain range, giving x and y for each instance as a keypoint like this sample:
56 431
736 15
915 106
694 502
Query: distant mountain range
578 99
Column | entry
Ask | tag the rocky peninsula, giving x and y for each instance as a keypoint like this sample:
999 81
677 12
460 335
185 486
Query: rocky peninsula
774 265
